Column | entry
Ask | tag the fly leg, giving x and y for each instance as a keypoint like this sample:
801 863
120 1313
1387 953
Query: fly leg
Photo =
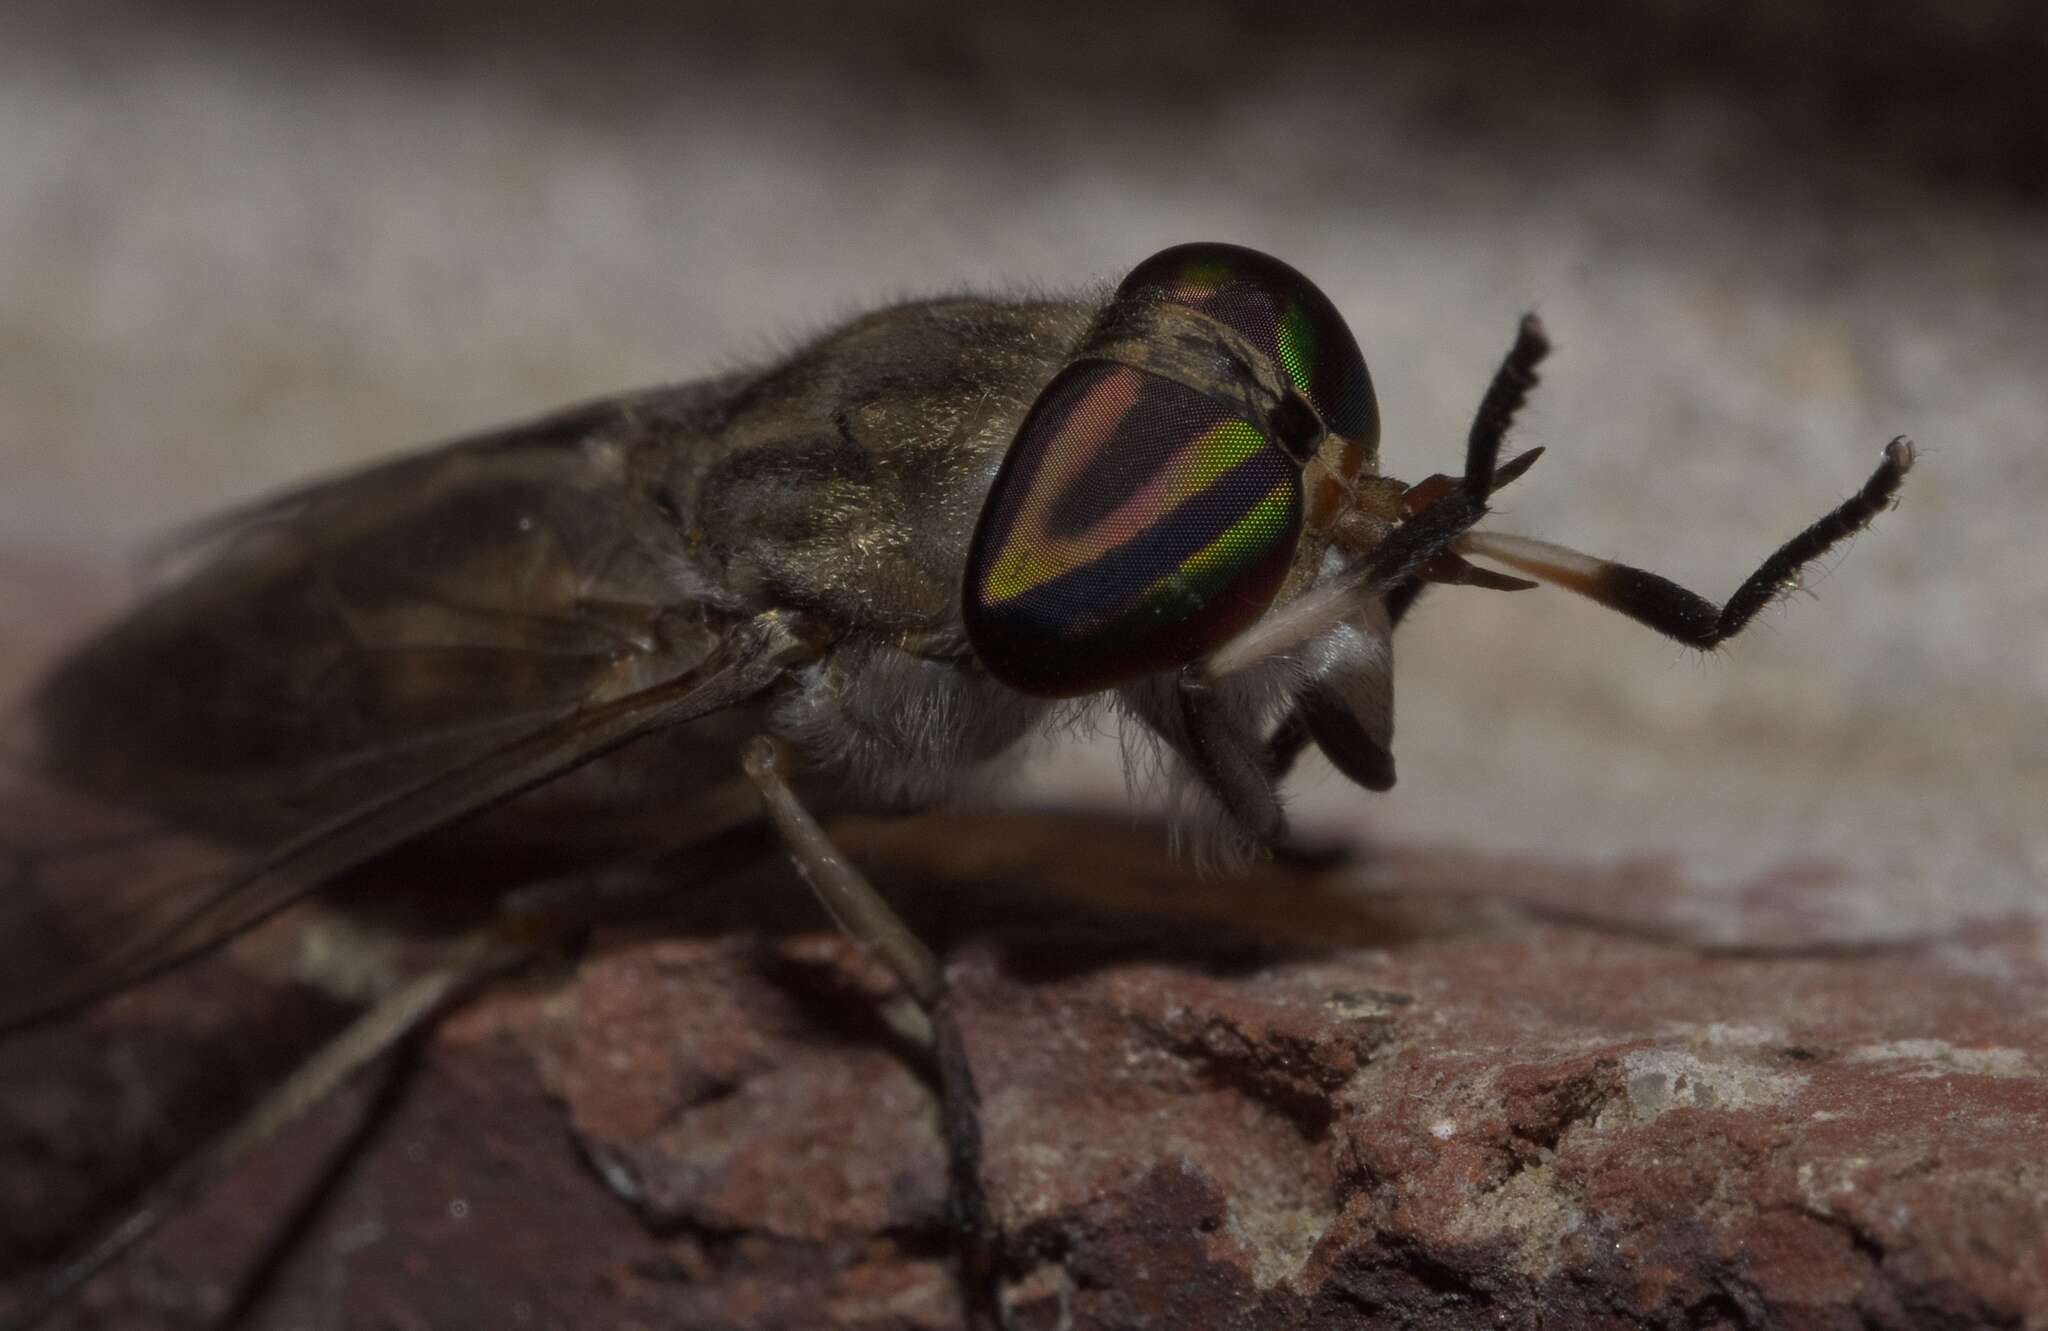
1241 777
393 1019
870 921
1670 609
1440 509
1421 548
1505 395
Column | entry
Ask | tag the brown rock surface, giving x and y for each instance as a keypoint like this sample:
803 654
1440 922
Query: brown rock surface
1405 1092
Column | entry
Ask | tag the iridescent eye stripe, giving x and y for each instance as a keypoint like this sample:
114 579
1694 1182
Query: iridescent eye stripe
1133 523
1219 587
1202 560
1083 441
1024 563
1204 572
1073 445
1298 349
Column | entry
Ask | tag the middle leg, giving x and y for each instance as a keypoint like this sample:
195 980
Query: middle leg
869 920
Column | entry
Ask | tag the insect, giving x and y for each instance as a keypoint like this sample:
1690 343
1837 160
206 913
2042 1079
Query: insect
853 580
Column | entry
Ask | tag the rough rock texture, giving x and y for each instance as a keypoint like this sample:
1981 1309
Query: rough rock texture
1454 1109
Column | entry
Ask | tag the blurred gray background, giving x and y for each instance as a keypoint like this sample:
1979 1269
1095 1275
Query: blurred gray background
243 242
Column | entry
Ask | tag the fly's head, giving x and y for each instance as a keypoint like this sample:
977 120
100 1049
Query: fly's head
1172 504
1191 518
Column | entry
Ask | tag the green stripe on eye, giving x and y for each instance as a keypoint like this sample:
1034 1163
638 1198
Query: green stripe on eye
1209 569
1033 556
1134 525
1297 340
1222 448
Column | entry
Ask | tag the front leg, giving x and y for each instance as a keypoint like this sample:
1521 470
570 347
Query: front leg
1239 774
1674 611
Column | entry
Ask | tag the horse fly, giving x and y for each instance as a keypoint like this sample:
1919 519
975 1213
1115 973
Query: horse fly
849 581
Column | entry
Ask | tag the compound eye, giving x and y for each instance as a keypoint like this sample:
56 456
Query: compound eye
1279 311
1135 526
